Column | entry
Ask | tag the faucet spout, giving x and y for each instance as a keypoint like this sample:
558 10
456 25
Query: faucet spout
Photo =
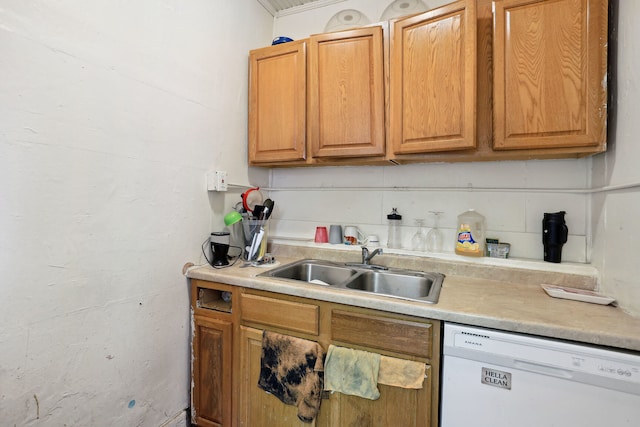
366 256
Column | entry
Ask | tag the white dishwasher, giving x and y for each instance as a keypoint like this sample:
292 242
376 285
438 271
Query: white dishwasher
500 379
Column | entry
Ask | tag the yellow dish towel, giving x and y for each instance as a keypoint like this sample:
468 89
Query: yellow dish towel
401 373
353 372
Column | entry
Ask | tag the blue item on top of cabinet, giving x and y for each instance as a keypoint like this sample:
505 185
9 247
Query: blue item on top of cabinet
280 40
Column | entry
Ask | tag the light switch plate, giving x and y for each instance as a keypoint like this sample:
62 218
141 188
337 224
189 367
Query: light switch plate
221 181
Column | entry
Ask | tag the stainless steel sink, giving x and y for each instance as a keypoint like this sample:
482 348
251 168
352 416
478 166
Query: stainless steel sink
399 283
309 270
406 284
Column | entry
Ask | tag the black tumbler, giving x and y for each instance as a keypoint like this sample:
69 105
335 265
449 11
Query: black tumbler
554 235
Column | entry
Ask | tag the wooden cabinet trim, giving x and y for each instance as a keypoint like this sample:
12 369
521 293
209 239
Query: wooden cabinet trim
401 336
290 315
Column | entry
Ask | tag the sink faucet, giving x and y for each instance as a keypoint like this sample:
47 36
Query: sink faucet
366 256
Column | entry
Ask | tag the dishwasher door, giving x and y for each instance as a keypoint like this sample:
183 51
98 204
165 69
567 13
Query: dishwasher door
498 379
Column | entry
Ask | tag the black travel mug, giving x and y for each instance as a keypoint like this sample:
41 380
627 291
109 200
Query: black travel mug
554 235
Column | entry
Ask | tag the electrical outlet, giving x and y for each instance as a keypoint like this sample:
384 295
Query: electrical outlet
221 181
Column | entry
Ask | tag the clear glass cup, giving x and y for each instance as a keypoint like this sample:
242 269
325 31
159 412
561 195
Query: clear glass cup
419 240
434 236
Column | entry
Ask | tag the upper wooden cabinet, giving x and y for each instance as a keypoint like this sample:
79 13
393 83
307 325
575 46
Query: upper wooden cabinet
472 80
346 94
550 63
332 94
433 80
277 103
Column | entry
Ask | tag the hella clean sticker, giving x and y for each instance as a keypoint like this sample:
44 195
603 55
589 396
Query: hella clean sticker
496 378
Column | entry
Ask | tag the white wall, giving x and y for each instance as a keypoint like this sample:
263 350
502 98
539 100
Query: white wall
616 212
110 115
513 197
301 23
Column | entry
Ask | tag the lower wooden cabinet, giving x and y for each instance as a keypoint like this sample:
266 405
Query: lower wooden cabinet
212 345
227 360
258 408
395 407
212 369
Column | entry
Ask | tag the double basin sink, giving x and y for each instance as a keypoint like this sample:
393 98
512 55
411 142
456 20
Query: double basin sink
406 284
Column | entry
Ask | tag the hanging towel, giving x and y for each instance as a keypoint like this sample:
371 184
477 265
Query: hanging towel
401 373
353 372
291 370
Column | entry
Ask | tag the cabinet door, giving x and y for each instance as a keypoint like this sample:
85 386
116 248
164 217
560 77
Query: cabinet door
550 73
257 407
395 407
433 80
346 93
277 103
212 367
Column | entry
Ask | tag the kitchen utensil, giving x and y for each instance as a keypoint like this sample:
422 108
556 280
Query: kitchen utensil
268 204
251 198
335 234
264 213
255 244
257 211
231 218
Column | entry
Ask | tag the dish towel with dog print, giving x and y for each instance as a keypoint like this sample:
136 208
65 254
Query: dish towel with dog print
291 369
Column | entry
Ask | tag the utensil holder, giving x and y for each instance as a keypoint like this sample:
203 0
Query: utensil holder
255 239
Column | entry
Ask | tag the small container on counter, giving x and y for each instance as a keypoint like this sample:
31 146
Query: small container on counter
470 234
394 240
498 250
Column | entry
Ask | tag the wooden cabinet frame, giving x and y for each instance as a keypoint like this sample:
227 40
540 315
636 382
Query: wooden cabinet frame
232 346
482 121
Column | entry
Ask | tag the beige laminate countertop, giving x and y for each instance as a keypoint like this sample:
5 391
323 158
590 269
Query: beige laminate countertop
516 303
